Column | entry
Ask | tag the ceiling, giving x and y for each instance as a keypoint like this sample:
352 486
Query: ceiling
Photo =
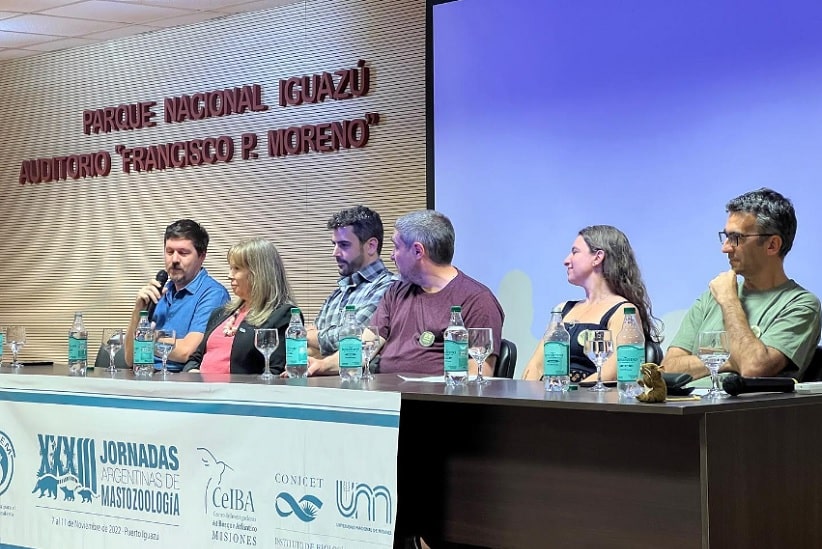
32 27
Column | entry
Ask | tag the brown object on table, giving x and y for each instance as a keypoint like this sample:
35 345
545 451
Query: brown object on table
651 377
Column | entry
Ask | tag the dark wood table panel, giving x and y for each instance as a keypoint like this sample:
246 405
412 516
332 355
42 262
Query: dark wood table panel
518 477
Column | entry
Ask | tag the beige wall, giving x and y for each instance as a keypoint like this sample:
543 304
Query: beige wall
90 244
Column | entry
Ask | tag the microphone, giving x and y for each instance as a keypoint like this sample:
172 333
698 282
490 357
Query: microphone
162 278
735 384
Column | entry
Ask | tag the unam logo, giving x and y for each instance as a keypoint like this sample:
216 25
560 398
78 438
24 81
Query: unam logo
349 495
7 456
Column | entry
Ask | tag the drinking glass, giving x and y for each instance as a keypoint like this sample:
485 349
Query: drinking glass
480 345
113 341
17 339
713 352
164 343
599 346
266 341
370 346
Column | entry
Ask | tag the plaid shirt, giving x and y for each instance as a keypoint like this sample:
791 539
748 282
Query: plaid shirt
363 289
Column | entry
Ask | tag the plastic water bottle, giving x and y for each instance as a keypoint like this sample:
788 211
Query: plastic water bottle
456 349
296 346
350 346
630 342
557 359
143 358
78 346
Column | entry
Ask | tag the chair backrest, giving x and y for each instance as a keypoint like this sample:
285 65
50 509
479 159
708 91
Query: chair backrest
506 359
102 359
814 370
653 352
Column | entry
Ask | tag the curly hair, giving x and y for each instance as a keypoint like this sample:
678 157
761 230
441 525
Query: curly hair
621 272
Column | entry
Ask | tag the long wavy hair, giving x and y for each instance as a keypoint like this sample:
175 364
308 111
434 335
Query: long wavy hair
269 286
621 272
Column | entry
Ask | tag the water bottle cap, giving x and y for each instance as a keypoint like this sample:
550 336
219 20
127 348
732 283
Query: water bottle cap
143 313
295 310
456 309
350 307
630 310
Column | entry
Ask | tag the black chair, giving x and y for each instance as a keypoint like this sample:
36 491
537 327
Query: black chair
506 359
653 352
814 370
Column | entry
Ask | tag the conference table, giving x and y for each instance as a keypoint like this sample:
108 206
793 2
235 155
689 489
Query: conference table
507 465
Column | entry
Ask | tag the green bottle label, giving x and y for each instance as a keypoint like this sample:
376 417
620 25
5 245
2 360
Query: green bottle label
557 359
629 361
456 356
143 352
350 352
296 352
77 348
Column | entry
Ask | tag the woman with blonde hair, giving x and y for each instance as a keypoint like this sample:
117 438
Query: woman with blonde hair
263 299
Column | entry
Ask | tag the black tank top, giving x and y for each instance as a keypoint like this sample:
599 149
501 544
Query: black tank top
581 365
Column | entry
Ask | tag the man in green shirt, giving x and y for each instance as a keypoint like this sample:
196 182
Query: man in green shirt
772 323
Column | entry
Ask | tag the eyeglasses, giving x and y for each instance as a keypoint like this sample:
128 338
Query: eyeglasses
733 238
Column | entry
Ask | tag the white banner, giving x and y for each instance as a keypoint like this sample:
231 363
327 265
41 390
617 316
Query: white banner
117 463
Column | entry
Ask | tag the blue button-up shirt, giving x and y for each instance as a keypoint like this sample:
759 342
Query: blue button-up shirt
187 310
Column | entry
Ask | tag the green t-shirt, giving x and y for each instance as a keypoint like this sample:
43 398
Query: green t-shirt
786 318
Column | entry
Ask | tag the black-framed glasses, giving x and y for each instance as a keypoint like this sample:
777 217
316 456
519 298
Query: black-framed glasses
733 238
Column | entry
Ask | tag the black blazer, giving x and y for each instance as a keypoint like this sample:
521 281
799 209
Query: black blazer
245 358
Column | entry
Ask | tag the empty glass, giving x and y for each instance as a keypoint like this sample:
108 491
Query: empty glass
266 340
480 345
113 341
17 339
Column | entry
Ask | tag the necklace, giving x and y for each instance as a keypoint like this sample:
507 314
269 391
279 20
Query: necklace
232 326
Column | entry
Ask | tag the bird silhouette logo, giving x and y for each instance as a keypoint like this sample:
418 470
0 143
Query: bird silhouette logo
216 468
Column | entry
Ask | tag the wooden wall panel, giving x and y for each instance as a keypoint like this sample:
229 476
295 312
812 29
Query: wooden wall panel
90 244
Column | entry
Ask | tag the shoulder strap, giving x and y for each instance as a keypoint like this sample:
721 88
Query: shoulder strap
607 316
567 307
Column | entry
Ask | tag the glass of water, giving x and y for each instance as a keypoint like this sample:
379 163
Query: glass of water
164 343
713 352
370 346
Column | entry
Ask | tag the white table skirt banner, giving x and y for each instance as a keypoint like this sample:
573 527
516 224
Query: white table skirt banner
114 463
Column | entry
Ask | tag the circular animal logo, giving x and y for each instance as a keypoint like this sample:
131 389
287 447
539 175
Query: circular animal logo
7 456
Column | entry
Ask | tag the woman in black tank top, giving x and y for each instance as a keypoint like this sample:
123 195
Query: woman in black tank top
603 264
